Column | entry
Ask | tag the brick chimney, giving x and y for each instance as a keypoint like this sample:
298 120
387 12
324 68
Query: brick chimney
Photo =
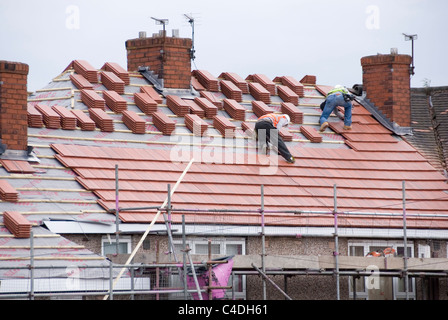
387 83
13 105
168 57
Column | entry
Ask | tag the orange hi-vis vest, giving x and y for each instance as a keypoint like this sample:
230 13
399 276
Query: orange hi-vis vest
274 117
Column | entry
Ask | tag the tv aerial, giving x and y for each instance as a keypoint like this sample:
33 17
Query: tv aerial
411 37
191 22
163 22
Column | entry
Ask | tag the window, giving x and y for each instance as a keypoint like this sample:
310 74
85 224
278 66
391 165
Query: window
385 288
223 247
108 245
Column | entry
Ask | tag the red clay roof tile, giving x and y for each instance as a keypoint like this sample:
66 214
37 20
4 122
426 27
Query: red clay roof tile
17 166
298 187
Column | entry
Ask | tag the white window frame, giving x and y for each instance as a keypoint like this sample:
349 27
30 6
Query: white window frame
111 240
366 244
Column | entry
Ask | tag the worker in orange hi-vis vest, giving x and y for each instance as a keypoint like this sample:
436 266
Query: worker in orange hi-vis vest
267 131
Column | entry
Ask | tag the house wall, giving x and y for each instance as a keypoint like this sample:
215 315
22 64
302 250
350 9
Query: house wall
299 287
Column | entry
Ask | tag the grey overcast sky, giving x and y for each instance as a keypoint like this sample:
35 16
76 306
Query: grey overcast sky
325 38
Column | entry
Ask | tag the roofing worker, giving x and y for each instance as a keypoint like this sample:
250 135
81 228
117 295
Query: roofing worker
270 125
339 96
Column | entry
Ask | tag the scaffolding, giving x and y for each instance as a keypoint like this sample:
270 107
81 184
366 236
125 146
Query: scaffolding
403 272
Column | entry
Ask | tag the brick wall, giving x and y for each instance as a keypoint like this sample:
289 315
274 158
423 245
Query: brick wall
386 80
168 57
13 105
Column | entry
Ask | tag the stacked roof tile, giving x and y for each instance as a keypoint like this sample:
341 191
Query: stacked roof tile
248 128
196 84
112 82
231 91
294 113
51 119
262 79
118 70
68 119
17 224
35 118
83 121
285 134
287 95
17 166
209 108
149 90
224 126
259 92
92 99
134 122
80 82
195 124
7 192
292 83
145 103
237 80
85 69
311 134
163 123
308 79
177 105
212 98
260 108
102 120
207 80
234 109
114 101
195 108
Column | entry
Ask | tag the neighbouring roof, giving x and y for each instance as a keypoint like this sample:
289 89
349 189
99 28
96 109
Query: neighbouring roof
430 124
75 177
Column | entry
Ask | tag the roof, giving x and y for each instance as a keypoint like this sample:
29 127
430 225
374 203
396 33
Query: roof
430 122
76 174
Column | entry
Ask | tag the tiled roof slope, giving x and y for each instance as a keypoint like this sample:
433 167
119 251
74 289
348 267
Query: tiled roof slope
430 124
368 163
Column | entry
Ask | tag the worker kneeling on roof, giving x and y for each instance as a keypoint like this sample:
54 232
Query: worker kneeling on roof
339 96
267 131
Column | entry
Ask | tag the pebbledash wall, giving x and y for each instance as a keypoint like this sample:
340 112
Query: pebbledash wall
299 287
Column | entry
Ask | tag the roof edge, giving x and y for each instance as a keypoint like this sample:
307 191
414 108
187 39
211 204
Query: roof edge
383 120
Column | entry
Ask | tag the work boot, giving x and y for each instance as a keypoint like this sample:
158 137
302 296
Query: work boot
323 126
347 127
291 160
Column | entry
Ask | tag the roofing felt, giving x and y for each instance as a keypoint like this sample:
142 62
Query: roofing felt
76 174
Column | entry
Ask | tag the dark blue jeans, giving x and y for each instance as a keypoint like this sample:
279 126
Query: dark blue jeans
333 101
